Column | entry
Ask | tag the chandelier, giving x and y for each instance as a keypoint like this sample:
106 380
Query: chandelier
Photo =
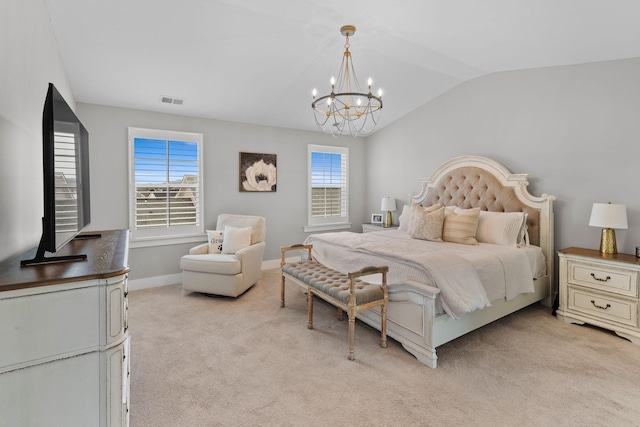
347 110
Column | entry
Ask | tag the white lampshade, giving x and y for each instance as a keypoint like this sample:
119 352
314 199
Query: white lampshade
608 215
388 204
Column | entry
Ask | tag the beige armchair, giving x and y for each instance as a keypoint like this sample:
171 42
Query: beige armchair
229 273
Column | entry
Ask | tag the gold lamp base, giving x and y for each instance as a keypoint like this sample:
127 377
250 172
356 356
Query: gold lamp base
608 241
388 222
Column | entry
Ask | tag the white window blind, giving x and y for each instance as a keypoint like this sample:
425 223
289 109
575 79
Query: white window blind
166 184
66 197
328 187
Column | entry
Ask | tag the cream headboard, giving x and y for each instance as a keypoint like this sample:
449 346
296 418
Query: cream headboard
474 181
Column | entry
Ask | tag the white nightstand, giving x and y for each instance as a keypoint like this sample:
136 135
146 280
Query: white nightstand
366 228
601 290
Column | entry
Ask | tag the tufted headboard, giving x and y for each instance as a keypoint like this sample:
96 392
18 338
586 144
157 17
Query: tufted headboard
473 187
474 181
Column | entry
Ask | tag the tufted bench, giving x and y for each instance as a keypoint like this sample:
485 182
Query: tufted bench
345 291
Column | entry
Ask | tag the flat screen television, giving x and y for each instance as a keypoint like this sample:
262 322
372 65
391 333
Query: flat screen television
65 161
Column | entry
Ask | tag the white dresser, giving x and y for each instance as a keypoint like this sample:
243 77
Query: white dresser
64 340
601 290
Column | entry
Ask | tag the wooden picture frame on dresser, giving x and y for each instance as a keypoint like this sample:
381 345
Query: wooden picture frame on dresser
601 290
65 337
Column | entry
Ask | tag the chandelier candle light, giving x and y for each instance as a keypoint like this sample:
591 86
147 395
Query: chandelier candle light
347 110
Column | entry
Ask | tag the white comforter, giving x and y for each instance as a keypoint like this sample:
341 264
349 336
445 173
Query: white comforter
468 276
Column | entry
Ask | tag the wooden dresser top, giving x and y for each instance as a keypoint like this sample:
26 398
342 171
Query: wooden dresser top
107 256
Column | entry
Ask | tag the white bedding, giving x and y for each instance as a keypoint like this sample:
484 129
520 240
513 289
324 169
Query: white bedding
468 276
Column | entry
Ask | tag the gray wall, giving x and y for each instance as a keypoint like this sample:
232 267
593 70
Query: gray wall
574 129
29 60
285 210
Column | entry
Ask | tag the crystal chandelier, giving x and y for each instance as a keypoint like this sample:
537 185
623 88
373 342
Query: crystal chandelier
347 110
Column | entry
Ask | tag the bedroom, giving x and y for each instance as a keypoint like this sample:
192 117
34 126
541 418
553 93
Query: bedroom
573 128
580 119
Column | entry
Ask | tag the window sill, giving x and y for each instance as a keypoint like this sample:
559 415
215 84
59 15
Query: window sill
326 227
166 240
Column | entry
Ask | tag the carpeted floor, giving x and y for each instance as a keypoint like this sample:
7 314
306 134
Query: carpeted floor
207 361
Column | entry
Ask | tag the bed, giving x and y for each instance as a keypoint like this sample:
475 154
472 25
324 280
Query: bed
441 290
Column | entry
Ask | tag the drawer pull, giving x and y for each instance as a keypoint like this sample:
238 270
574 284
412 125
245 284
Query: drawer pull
599 279
601 307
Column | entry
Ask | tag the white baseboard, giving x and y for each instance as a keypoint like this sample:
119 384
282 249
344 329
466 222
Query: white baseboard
175 279
154 282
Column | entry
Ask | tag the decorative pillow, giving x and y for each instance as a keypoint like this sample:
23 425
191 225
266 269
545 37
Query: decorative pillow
460 226
406 218
215 241
502 228
427 224
235 239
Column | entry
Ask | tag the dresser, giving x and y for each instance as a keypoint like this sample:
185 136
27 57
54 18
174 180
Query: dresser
64 338
601 290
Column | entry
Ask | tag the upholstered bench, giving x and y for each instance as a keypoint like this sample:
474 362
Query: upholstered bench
345 291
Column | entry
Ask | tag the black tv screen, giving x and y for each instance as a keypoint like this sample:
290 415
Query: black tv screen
65 161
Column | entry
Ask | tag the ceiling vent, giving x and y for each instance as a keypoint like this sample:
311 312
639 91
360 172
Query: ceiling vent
171 100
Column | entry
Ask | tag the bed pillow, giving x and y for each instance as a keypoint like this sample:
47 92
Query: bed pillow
426 223
405 219
215 238
502 228
460 225
235 239
418 209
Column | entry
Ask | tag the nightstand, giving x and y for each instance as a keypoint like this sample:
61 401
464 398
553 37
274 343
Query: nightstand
601 290
366 228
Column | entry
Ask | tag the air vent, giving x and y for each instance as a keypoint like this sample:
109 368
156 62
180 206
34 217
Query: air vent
171 100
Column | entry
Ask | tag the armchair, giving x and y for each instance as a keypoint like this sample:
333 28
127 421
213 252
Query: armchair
228 274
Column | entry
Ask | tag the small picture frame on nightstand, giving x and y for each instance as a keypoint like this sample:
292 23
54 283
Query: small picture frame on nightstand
376 219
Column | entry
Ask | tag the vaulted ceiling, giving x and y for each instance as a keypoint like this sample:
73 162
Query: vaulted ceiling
256 61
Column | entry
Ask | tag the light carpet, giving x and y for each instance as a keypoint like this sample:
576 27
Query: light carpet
203 361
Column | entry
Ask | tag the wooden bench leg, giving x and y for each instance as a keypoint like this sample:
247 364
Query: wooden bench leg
339 314
352 332
282 291
383 328
310 308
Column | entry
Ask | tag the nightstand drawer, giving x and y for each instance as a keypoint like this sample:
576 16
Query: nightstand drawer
603 277
605 307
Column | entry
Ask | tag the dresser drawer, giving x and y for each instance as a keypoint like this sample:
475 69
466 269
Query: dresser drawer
605 307
603 277
115 317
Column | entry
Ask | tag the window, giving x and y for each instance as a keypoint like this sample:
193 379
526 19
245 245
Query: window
165 184
328 198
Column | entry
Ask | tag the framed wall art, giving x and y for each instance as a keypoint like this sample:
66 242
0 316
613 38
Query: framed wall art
258 172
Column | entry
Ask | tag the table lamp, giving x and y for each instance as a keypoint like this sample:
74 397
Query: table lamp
388 204
608 216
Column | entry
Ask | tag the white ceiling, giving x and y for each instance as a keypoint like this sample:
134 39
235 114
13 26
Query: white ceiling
256 61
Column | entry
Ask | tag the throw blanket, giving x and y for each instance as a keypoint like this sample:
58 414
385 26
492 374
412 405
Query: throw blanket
461 272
